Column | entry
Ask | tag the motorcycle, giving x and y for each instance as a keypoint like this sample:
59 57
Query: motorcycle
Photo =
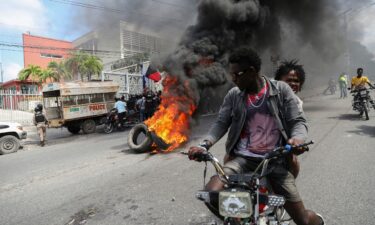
247 199
361 101
112 121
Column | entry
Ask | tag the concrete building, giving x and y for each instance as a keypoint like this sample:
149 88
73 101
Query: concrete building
120 41
42 50
125 50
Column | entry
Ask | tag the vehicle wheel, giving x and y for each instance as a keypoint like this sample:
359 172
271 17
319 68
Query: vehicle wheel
366 112
74 129
9 144
88 126
108 128
145 144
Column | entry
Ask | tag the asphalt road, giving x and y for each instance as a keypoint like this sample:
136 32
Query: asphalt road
94 179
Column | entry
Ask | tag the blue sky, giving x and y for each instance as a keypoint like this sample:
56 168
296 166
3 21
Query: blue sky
52 19
40 17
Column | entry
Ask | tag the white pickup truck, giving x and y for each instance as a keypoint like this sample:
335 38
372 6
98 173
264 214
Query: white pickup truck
10 136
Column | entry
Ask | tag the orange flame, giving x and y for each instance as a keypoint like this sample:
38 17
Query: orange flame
172 120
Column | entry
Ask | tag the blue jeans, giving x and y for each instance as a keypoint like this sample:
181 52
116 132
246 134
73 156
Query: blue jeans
142 115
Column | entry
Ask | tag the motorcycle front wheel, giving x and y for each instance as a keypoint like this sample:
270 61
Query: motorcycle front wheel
366 112
108 128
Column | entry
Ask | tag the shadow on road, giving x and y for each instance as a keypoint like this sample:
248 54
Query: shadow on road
364 130
352 116
311 108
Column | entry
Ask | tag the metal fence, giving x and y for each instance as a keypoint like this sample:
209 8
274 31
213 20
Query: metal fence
18 107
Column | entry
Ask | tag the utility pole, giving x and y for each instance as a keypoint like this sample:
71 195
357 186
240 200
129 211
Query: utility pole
1 68
1 73
347 54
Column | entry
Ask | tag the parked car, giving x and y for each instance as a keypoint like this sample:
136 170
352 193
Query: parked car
10 137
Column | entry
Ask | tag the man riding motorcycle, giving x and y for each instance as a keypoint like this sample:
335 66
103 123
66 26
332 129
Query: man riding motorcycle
360 82
120 105
260 114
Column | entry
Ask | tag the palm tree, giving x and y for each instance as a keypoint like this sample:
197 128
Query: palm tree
48 74
58 70
74 64
83 64
92 66
32 71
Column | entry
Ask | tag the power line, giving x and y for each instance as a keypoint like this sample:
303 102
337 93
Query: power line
16 45
168 3
112 10
30 48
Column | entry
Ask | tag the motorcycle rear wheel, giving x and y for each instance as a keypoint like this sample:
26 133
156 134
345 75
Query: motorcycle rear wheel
108 128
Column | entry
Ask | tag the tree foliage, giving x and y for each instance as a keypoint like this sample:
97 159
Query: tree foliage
32 72
79 66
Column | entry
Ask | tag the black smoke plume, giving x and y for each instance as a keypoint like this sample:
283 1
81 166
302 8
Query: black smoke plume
223 25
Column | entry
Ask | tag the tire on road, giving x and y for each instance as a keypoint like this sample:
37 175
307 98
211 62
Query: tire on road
9 144
88 126
145 144
74 129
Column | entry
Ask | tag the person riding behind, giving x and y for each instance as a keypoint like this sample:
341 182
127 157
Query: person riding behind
294 75
260 115
121 109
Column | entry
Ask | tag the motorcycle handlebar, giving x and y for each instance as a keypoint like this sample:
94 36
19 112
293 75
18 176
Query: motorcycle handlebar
206 156
286 149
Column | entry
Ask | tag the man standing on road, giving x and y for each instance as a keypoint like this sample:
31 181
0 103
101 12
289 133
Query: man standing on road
141 106
343 82
121 109
261 115
40 121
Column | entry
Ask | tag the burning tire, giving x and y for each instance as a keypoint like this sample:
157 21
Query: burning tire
139 146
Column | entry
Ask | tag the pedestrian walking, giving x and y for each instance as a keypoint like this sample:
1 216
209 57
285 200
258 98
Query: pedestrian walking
40 121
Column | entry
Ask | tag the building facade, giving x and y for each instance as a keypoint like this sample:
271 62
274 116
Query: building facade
119 41
125 50
42 50
21 87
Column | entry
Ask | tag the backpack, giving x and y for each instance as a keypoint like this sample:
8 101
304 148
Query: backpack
39 117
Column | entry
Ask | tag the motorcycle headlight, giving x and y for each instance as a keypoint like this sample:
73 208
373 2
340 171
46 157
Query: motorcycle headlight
363 92
275 200
235 204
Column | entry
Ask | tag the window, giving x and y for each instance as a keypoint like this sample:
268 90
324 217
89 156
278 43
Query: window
109 97
29 89
49 55
83 99
69 100
51 102
94 98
